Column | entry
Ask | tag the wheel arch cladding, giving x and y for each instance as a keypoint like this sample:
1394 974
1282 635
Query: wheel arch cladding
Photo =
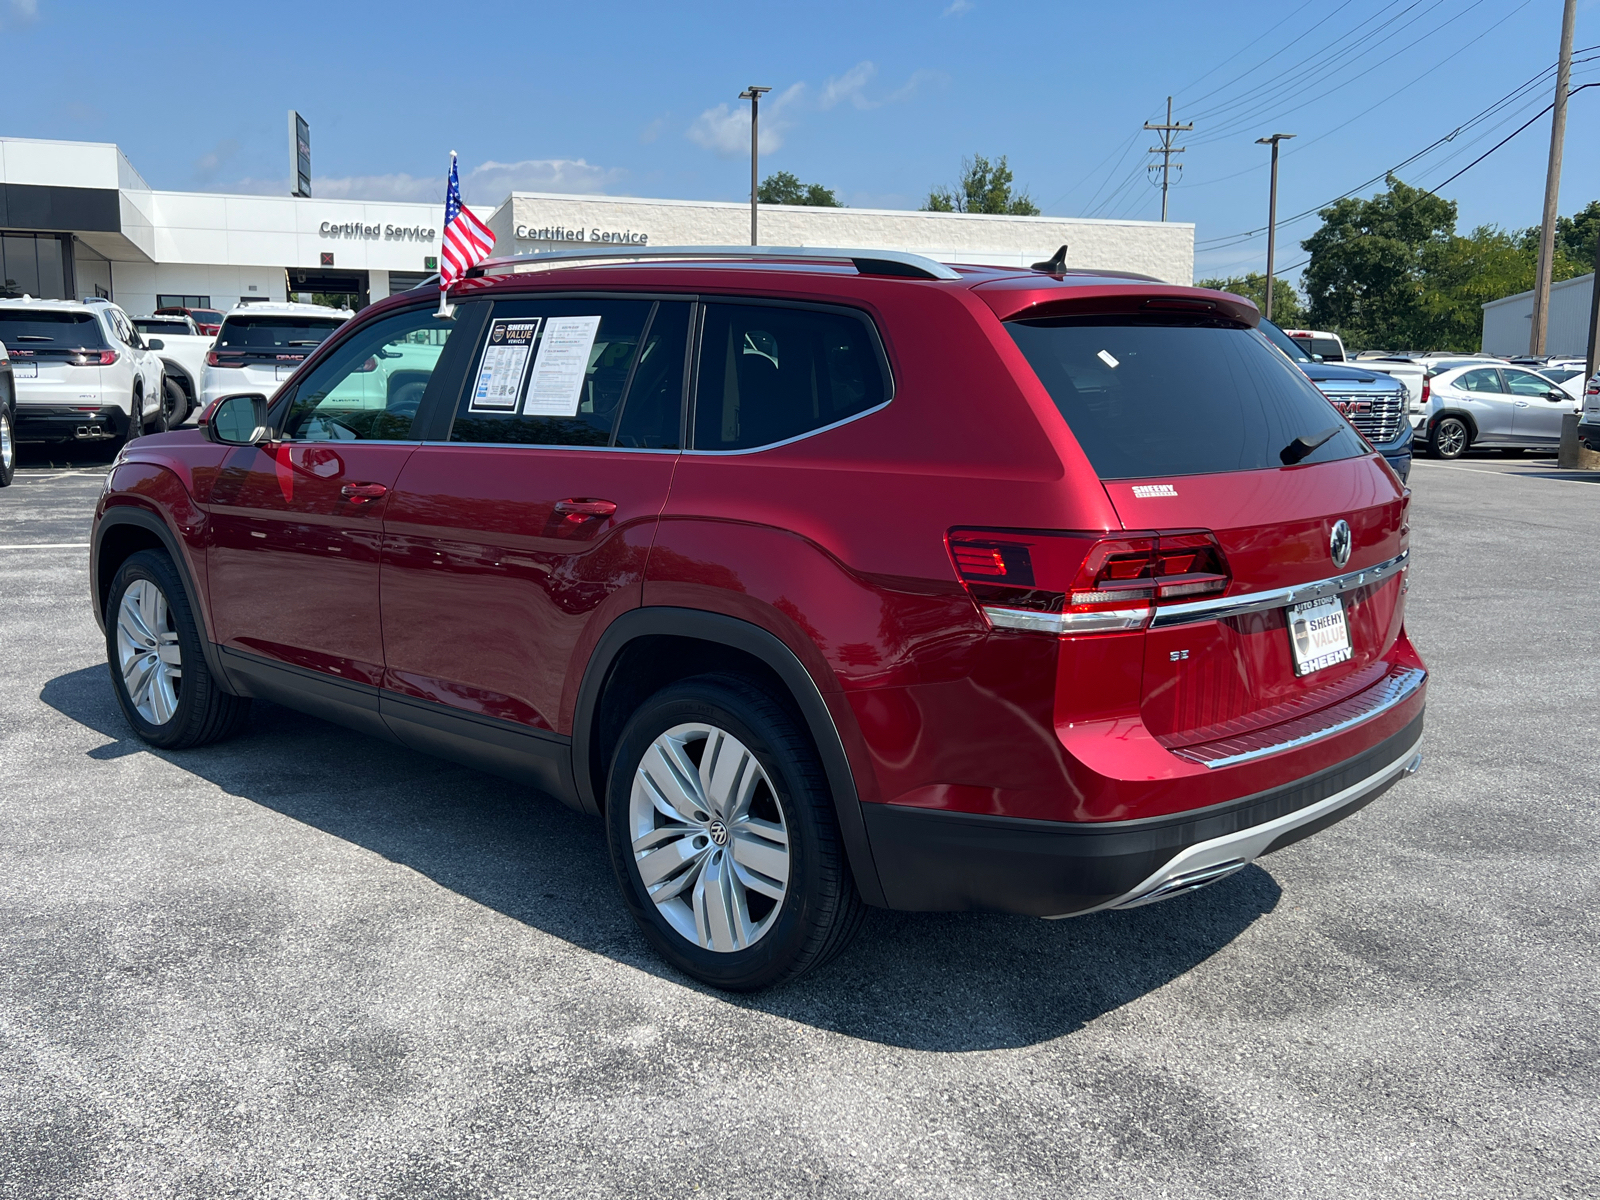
649 648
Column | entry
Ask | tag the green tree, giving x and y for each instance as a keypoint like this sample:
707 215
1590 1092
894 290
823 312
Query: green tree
1369 266
984 187
1576 236
784 188
1287 308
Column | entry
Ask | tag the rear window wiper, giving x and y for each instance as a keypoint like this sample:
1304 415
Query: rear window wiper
315 342
34 337
1304 445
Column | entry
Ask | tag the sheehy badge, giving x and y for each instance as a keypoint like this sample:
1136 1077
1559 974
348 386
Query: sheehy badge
504 365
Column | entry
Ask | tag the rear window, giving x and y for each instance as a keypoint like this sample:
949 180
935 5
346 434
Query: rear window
1146 398
274 333
50 331
159 327
206 316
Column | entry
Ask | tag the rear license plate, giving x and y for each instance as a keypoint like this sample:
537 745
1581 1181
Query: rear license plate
1318 634
25 370
284 373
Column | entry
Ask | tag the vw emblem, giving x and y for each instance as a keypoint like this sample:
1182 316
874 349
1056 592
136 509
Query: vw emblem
718 832
1339 543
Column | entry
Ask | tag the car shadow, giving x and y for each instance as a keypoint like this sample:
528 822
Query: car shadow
922 981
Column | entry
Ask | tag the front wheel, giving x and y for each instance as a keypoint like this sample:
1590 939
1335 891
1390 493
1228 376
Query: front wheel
8 447
1449 438
723 836
158 668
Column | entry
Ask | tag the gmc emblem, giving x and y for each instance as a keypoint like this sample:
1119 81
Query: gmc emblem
290 357
1352 408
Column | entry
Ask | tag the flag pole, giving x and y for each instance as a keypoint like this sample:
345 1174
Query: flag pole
446 311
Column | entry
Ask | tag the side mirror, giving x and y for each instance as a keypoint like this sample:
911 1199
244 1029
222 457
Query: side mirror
239 420
1316 358
155 344
1557 396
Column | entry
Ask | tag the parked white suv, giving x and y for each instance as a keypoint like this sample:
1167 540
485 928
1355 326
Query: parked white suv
82 372
260 345
182 351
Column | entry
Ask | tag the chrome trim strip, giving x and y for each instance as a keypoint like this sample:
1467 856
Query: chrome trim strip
1399 689
1066 624
1251 602
1246 845
524 263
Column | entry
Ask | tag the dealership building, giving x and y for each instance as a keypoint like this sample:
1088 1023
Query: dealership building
78 220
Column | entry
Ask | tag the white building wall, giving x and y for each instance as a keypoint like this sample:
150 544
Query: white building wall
536 221
1507 323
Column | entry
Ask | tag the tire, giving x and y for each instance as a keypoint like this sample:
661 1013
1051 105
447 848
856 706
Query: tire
177 403
8 446
1449 438
171 709
780 820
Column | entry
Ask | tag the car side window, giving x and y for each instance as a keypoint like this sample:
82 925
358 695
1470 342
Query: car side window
370 387
1526 383
555 373
771 372
1485 379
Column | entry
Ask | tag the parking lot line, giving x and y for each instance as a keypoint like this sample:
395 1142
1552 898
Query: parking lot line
1512 474
47 546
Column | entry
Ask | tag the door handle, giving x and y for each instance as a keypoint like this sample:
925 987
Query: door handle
1522 404
582 510
361 493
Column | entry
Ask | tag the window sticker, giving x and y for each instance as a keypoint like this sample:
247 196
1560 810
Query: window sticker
504 365
555 388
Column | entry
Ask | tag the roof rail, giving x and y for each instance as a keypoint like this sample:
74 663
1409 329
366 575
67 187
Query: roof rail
866 262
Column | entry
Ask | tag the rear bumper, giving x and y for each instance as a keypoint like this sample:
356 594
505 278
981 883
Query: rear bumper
59 423
932 860
1589 435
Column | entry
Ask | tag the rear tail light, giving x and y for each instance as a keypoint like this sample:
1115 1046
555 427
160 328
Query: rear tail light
1069 583
95 358
214 359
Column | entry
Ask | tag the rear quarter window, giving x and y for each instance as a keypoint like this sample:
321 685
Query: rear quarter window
1149 398
768 373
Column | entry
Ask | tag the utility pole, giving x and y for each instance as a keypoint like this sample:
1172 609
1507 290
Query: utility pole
753 94
1552 186
1166 150
1272 213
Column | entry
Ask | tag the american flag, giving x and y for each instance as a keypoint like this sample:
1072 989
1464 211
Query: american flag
467 240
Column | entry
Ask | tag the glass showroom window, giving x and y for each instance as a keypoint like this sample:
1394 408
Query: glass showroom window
32 264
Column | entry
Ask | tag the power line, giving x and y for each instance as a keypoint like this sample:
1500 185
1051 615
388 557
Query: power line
1433 191
1166 150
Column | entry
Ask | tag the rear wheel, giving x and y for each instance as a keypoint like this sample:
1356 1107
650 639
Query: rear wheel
158 667
723 836
177 403
8 446
1449 438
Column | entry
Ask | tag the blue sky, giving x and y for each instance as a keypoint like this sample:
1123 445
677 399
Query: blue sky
879 101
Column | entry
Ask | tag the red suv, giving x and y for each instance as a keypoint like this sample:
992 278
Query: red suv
826 578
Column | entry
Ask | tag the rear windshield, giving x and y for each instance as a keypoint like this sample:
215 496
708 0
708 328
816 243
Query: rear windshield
50 331
158 326
206 316
1561 374
1147 398
274 333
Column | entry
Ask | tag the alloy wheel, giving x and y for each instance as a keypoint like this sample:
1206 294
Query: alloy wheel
1451 437
709 837
8 445
148 654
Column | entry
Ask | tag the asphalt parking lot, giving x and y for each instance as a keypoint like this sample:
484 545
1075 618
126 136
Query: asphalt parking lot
304 963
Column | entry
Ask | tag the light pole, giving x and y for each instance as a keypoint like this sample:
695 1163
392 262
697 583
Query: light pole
753 94
1272 212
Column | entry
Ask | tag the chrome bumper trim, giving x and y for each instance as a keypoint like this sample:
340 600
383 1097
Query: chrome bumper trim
1208 861
1251 602
1363 706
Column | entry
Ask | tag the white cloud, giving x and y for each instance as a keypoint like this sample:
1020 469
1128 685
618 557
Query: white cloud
484 185
24 12
726 130
850 86
653 130
959 8
213 160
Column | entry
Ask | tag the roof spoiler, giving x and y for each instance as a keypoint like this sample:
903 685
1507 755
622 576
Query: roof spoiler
866 262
